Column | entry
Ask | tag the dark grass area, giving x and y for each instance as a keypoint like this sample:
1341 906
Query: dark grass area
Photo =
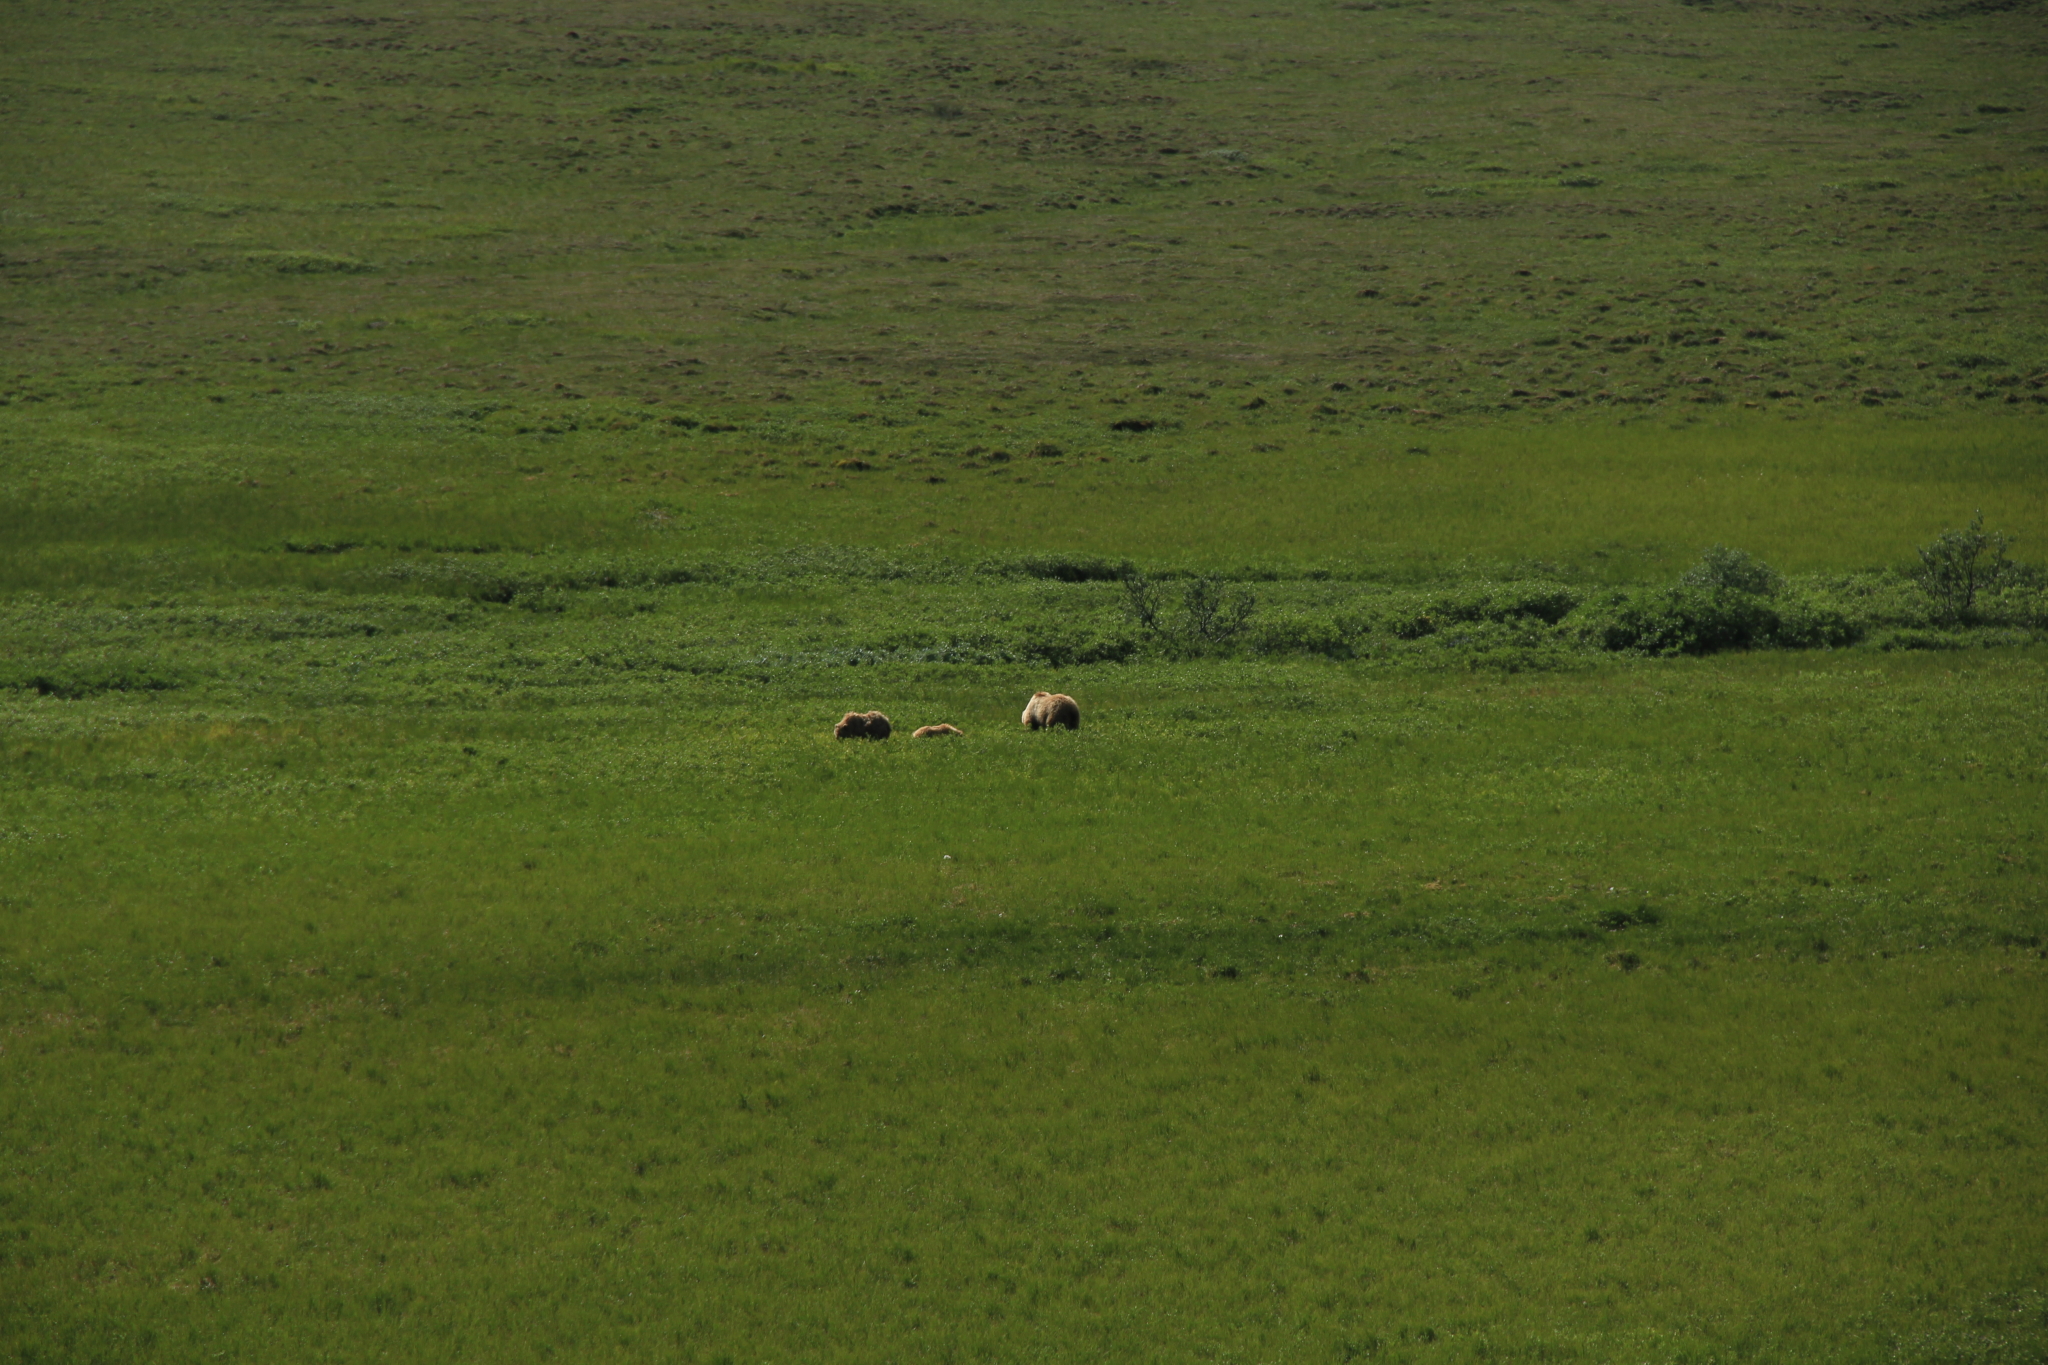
914 213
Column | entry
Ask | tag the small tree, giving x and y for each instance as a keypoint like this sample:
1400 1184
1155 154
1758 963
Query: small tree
1211 615
1141 601
1960 564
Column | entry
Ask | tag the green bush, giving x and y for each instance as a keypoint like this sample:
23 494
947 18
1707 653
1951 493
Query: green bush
1416 617
1729 600
1677 621
1063 646
1541 600
1879 599
1212 615
1721 567
1063 568
1810 623
2022 600
1958 565
1923 639
1518 645
1297 633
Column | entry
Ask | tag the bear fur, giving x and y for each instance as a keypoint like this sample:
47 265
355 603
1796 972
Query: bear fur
1047 709
862 725
933 731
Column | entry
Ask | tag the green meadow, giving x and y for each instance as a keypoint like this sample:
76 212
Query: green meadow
1550 868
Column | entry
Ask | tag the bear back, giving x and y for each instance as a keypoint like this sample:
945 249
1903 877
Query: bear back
1048 709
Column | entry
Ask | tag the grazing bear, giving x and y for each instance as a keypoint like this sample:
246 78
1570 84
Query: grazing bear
933 731
862 725
1047 709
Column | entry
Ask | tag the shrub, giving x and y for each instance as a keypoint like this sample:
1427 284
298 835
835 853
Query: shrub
1960 564
1211 615
1214 615
1064 568
1721 567
1062 648
1729 600
1804 623
1545 601
1298 634
1923 639
1513 646
1537 602
1678 621
1412 626
1873 599
2016 602
1955 639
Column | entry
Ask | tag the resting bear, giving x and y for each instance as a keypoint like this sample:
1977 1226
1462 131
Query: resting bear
862 725
933 731
1047 709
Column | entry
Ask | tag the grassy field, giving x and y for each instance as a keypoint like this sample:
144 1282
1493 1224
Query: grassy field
1279 1012
457 463
782 208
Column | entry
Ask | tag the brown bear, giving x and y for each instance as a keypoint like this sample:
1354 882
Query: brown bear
1047 709
862 725
934 731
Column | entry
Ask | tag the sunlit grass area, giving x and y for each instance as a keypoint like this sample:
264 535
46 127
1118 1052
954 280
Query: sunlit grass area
219 493
1631 1007
1556 1161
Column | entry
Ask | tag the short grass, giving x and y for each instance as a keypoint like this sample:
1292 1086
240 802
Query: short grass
1449 207
182 491
1734 1160
455 465
1283 1011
